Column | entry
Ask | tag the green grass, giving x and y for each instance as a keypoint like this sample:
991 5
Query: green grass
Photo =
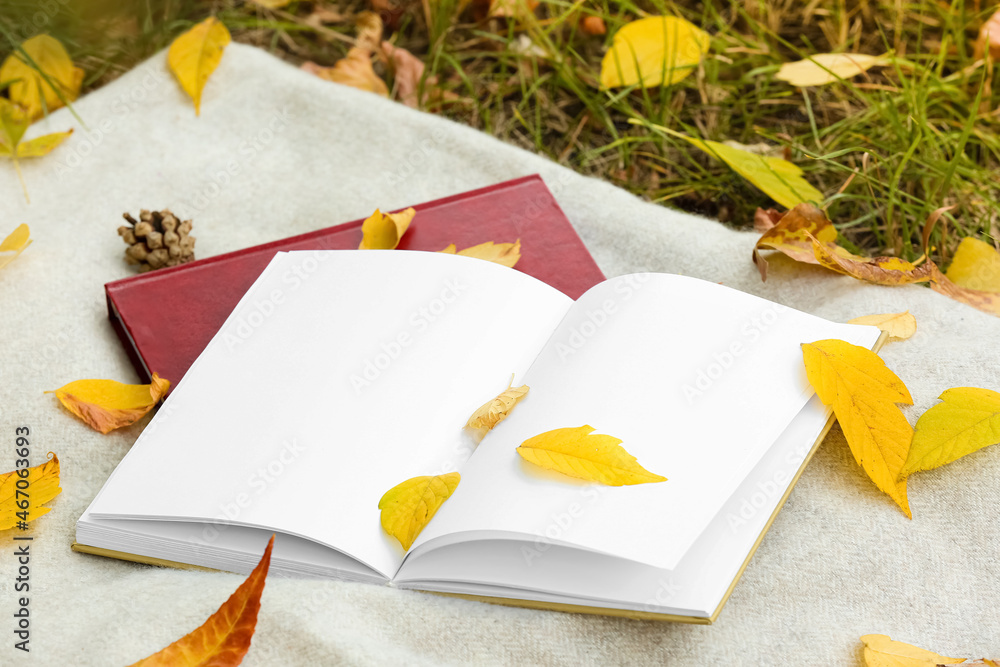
886 148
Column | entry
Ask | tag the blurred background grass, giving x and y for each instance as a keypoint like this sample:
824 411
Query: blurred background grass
886 148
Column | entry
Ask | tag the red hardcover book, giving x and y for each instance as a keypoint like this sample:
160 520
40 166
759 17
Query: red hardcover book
143 309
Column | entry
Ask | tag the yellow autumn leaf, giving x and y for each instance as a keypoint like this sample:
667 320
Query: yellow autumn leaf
658 50
497 409
409 506
985 300
14 244
824 68
577 452
34 92
876 270
14 122
355 70
976 265
507 254
383 231
899 326
790 233
25 490
194 55
881 651
105 405
42 145
966 420
864 393
224 638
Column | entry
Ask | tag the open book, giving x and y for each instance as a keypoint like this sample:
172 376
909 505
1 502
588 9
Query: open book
342 373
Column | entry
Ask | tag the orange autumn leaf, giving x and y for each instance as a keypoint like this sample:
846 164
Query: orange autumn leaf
354 70
224 639
877 270
105 405
989 38
506 254
593 25
23 502
988 302
789 234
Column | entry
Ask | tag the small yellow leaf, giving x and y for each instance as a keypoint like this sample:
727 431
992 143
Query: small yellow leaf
105 405
899 326
880 651
966 420
30 90
507 254
14 122
14 244
194 55
42 486
658 50
42 145
864 393
353 70
224 639
579 453
976 265
824 68
409 506
384 231
790 234
876 270
496 410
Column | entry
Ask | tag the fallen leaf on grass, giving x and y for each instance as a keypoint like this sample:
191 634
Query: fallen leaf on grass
271 4
14 244
369 28
593 25
824 68
409 506
899 326
577 452
876 270
407 72
507 254
658 50
497 409
966 420
520 10
383 231
25 490
194 55
989 38
790 234
864 394
105 405
881 651
13 124
224 639
354 70
976 265
36 93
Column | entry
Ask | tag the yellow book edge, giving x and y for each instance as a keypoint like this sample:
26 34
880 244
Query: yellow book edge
555 606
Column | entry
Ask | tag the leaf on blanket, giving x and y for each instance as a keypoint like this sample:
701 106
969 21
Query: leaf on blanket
877 270
13 124
881 651
966 420
577 452
789 234
383 231
105 405
14 244
502 253
23 491
194 55
864 394
899 326
354 70
988 302
224 639
43 75
976 264
410 505
824 68
497 409
654 51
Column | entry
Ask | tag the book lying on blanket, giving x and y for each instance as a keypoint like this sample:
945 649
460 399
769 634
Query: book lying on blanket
341 374
143 308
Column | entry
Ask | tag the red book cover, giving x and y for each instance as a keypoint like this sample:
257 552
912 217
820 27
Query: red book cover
143 309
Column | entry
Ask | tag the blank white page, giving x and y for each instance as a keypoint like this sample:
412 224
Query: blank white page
696 379
339 375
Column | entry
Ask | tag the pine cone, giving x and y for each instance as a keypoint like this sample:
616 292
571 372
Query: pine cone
157 239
